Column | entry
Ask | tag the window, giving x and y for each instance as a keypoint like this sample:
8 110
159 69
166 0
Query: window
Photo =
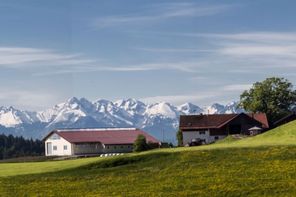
216 138
107 147
114 147
65 147
202 132
128 146
121 146
55 148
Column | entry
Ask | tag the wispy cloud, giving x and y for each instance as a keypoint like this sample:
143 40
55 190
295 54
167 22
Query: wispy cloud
205 96
266 37
50 62
243 53
237 87
180 99
249 50
161 12
183 66
27 99
172 50
24 57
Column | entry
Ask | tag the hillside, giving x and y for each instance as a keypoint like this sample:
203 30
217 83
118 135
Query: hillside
228 168
283 135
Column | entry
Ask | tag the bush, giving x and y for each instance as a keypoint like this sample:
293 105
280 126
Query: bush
140 144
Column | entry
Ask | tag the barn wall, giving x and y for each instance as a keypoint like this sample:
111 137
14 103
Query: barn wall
117 148
87 148
59 143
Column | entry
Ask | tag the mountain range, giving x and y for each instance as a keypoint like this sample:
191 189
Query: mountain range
158 119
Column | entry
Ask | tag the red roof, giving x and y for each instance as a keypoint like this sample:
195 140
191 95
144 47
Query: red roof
260 117
107 136
217 120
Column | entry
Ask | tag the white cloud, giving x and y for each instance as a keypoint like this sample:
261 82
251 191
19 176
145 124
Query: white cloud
164 11
204 97
180 99
266 37
24 57
27 99
179 66
244 53
173 50
237 87
249 52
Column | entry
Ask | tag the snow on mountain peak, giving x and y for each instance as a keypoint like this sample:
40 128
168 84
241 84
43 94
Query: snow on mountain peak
163 109
11 117
189 108
104 106
132 106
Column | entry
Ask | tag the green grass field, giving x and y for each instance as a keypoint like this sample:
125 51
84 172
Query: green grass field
264 165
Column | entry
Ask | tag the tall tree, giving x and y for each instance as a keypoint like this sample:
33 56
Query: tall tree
140 144
179 136
273 96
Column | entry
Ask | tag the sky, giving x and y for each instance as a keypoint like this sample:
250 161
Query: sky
174 51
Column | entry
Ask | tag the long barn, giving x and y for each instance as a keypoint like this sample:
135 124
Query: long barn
66 142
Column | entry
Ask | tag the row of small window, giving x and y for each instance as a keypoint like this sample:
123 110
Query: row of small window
114 147
56 148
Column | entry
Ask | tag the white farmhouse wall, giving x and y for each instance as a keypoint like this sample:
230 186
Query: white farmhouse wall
59 142
188 136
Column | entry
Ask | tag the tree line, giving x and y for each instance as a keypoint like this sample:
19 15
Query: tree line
12 146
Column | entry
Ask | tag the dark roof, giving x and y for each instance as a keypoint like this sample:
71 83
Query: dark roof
217 120
104 136
288 118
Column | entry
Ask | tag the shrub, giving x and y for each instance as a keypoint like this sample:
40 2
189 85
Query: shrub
140 144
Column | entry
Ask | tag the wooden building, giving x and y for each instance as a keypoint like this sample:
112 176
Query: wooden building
210 128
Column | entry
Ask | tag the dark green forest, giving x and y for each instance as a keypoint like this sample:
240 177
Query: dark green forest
11 147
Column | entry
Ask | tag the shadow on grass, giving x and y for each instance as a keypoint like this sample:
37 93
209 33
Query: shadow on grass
122 161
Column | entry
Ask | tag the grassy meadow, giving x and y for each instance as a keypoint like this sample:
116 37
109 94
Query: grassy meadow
264 165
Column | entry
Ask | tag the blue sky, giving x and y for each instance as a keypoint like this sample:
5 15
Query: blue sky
175 51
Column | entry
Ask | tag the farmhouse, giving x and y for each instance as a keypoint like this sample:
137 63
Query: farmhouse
209 128
93 141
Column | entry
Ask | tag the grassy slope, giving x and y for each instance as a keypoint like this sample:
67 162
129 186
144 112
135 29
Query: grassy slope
284 135
12 169
227 168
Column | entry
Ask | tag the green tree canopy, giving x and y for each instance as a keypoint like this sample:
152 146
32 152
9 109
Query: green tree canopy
273 96
179 136
140 144
14 146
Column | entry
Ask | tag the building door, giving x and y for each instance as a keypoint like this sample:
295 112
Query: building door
235 129
49 148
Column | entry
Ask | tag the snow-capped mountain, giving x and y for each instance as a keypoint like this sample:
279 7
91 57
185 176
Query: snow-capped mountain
159 119
189 108
10 117
217 108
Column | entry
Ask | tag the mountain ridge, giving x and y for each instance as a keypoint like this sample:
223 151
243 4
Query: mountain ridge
159 119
